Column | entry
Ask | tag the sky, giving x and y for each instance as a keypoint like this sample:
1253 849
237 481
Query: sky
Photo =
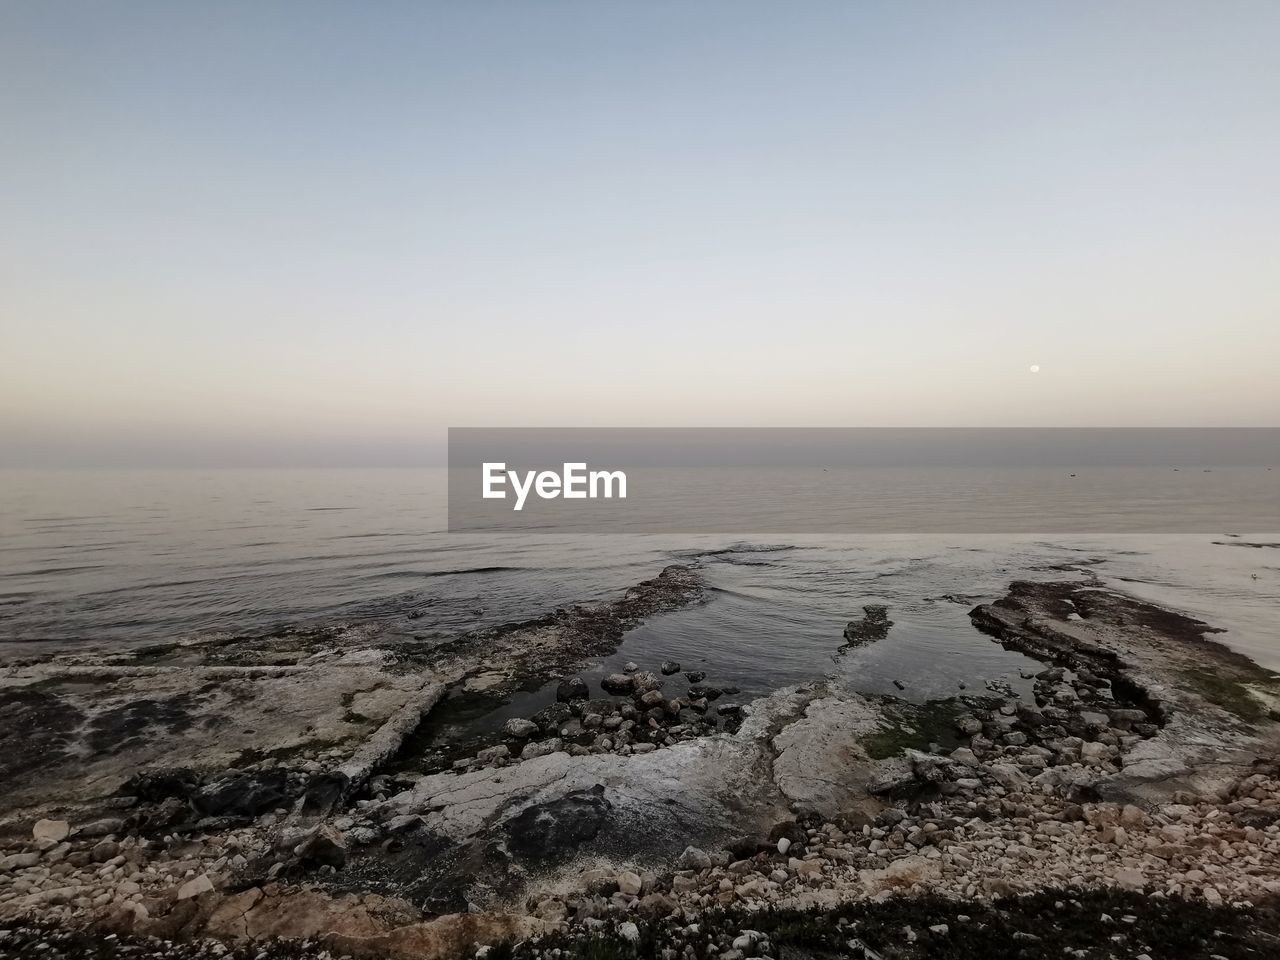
273 233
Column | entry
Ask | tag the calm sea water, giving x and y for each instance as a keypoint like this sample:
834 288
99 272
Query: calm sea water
103 559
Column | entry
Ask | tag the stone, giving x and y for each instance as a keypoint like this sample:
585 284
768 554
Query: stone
242 794
327 847
669 667
18 861
644 681
571 689
195 887
1130 879
493 754
617 683
874 625
520 728
693 858
53 831
101 828
695 676
542 749
104 850
630 883
629 931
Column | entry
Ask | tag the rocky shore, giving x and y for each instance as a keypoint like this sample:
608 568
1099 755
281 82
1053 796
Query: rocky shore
1133 797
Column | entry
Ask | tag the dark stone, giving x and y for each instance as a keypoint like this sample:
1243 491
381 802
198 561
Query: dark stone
617 683
325 792
669 667
695 676
554 831
327 847
552 717
242 794
789 830
156 785
874 625
572 688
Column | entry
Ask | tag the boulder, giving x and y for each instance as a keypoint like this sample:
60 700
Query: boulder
521 728
630 883
327 847
195 887
571 689
617 683
53 831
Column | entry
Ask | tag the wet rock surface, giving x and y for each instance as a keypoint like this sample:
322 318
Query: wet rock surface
1136 780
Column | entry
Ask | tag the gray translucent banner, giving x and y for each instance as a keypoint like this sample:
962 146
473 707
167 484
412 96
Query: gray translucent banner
761 480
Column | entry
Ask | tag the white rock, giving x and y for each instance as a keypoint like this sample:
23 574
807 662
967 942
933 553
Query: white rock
54 831
195 887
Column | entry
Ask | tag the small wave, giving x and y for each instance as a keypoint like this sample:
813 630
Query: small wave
48 571
402 574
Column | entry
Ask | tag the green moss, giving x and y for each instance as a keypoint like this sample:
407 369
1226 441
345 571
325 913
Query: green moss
914 726
1229 694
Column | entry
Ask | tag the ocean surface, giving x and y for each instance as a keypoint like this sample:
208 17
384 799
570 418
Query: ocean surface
93 559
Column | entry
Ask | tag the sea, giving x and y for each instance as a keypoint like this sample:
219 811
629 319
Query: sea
104 560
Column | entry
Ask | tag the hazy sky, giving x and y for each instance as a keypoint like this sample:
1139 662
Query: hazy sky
242 232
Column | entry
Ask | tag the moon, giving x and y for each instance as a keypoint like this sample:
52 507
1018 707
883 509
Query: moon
1034 368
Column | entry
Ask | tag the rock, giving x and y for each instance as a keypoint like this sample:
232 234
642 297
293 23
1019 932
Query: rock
617 683
630 883
669 667
654 906
652 698
195 887
694 858
901 874
1131 816
629 931
874 625
557 828
644 681
242 794
551 717
53 831
104 850
1130 879
542 749
168 783
571 689
101 828
327 847
20 861
553 909
493 754
695 676
520 728
630 666
784 845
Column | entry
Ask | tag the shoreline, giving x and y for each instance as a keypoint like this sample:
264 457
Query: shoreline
1131 774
